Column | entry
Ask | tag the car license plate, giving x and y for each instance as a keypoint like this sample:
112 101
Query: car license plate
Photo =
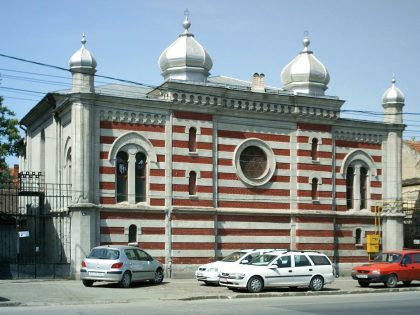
224 280
362 276
199 274
96 274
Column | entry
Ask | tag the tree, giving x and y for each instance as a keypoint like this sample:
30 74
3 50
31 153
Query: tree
11 142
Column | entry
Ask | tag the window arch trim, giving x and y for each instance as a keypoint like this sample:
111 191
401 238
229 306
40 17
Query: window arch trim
132 138
358 155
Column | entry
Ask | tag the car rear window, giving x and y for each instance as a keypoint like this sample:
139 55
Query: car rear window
319 260
233 257
104 253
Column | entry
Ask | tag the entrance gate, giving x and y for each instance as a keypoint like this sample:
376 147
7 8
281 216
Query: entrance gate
34 228
411 224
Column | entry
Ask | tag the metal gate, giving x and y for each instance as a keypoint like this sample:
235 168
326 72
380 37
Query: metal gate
34 228
411 224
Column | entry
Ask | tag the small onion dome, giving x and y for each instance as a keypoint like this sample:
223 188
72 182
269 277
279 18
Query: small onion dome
305 73
82 59
393 95
185 59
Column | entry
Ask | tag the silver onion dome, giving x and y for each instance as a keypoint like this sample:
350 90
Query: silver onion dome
82 59
185 59
305 73
393 95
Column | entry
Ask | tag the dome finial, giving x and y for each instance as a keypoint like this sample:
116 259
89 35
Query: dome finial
83 41
393 79
187 22
306 40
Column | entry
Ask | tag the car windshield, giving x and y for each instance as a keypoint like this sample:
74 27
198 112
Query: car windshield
263 260
234 257
104 253
388 257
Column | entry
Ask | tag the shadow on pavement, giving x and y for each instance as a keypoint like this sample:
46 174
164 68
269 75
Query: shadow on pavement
134 285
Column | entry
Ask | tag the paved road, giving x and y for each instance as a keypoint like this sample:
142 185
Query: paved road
373 304
72 292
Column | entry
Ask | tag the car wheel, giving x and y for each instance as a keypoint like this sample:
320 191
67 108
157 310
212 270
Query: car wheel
87 283
317 283
158 276
407 282
125 280
255 284
363 283
391 281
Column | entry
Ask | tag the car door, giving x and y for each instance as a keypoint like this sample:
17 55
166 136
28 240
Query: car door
280 272
416 264
303 269
134 264
147 266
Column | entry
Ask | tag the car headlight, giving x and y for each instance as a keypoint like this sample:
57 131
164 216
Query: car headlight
238 276
213 269
376 272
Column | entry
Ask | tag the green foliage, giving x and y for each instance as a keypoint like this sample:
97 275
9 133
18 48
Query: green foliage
11 142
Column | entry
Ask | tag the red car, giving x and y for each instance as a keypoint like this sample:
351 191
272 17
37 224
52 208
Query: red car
389 268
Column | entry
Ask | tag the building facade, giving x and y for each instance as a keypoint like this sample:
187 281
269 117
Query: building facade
200 166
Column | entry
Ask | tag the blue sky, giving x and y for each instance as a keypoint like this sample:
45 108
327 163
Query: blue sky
361 42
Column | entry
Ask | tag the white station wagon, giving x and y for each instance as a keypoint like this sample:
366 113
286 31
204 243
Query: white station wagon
209 273
280 269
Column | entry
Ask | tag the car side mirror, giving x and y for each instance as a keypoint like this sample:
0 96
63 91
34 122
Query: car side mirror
245 261
274 266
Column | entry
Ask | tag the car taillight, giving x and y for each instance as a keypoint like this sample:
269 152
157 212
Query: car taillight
83 264
117 265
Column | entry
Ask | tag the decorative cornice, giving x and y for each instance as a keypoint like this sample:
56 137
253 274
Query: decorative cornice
358 136
133 117
222 103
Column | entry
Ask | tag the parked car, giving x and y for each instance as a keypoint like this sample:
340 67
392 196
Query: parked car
389 268
122 264
280 269
209 273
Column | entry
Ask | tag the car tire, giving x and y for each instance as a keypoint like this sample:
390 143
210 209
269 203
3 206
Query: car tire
255 284
87 283
391 281
363 283
407 282
125 280
317 283
158 276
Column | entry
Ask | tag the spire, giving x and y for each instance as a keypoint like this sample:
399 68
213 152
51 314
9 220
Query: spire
83 67
393 101
186 24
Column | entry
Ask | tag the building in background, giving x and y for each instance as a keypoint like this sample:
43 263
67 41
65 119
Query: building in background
200 166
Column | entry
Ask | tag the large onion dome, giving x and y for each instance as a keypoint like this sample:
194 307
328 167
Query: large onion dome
185 59
305 73
82 60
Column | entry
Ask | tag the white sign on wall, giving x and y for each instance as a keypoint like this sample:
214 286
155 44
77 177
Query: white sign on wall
23 234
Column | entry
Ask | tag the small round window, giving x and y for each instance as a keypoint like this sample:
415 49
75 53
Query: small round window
254 162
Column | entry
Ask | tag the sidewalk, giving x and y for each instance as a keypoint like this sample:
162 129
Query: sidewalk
66 292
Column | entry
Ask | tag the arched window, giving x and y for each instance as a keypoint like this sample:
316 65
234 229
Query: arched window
363 187
121 171
192 185
140 177
192 140
68 167
349 187
314 193
42 152
358 236
132 234
314 149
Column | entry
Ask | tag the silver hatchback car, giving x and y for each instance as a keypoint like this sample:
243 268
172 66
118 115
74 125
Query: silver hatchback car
122 264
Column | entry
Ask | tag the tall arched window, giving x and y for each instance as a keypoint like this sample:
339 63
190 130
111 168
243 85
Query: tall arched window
132 234
121 171
192 140
192 185
314 149
314 193
358 236
140 177
349 187
68 167
42 152
363 187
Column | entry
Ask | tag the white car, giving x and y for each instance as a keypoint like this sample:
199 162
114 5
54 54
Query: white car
209 273
280 269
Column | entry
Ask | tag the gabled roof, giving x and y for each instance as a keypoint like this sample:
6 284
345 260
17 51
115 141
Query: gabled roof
415 145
